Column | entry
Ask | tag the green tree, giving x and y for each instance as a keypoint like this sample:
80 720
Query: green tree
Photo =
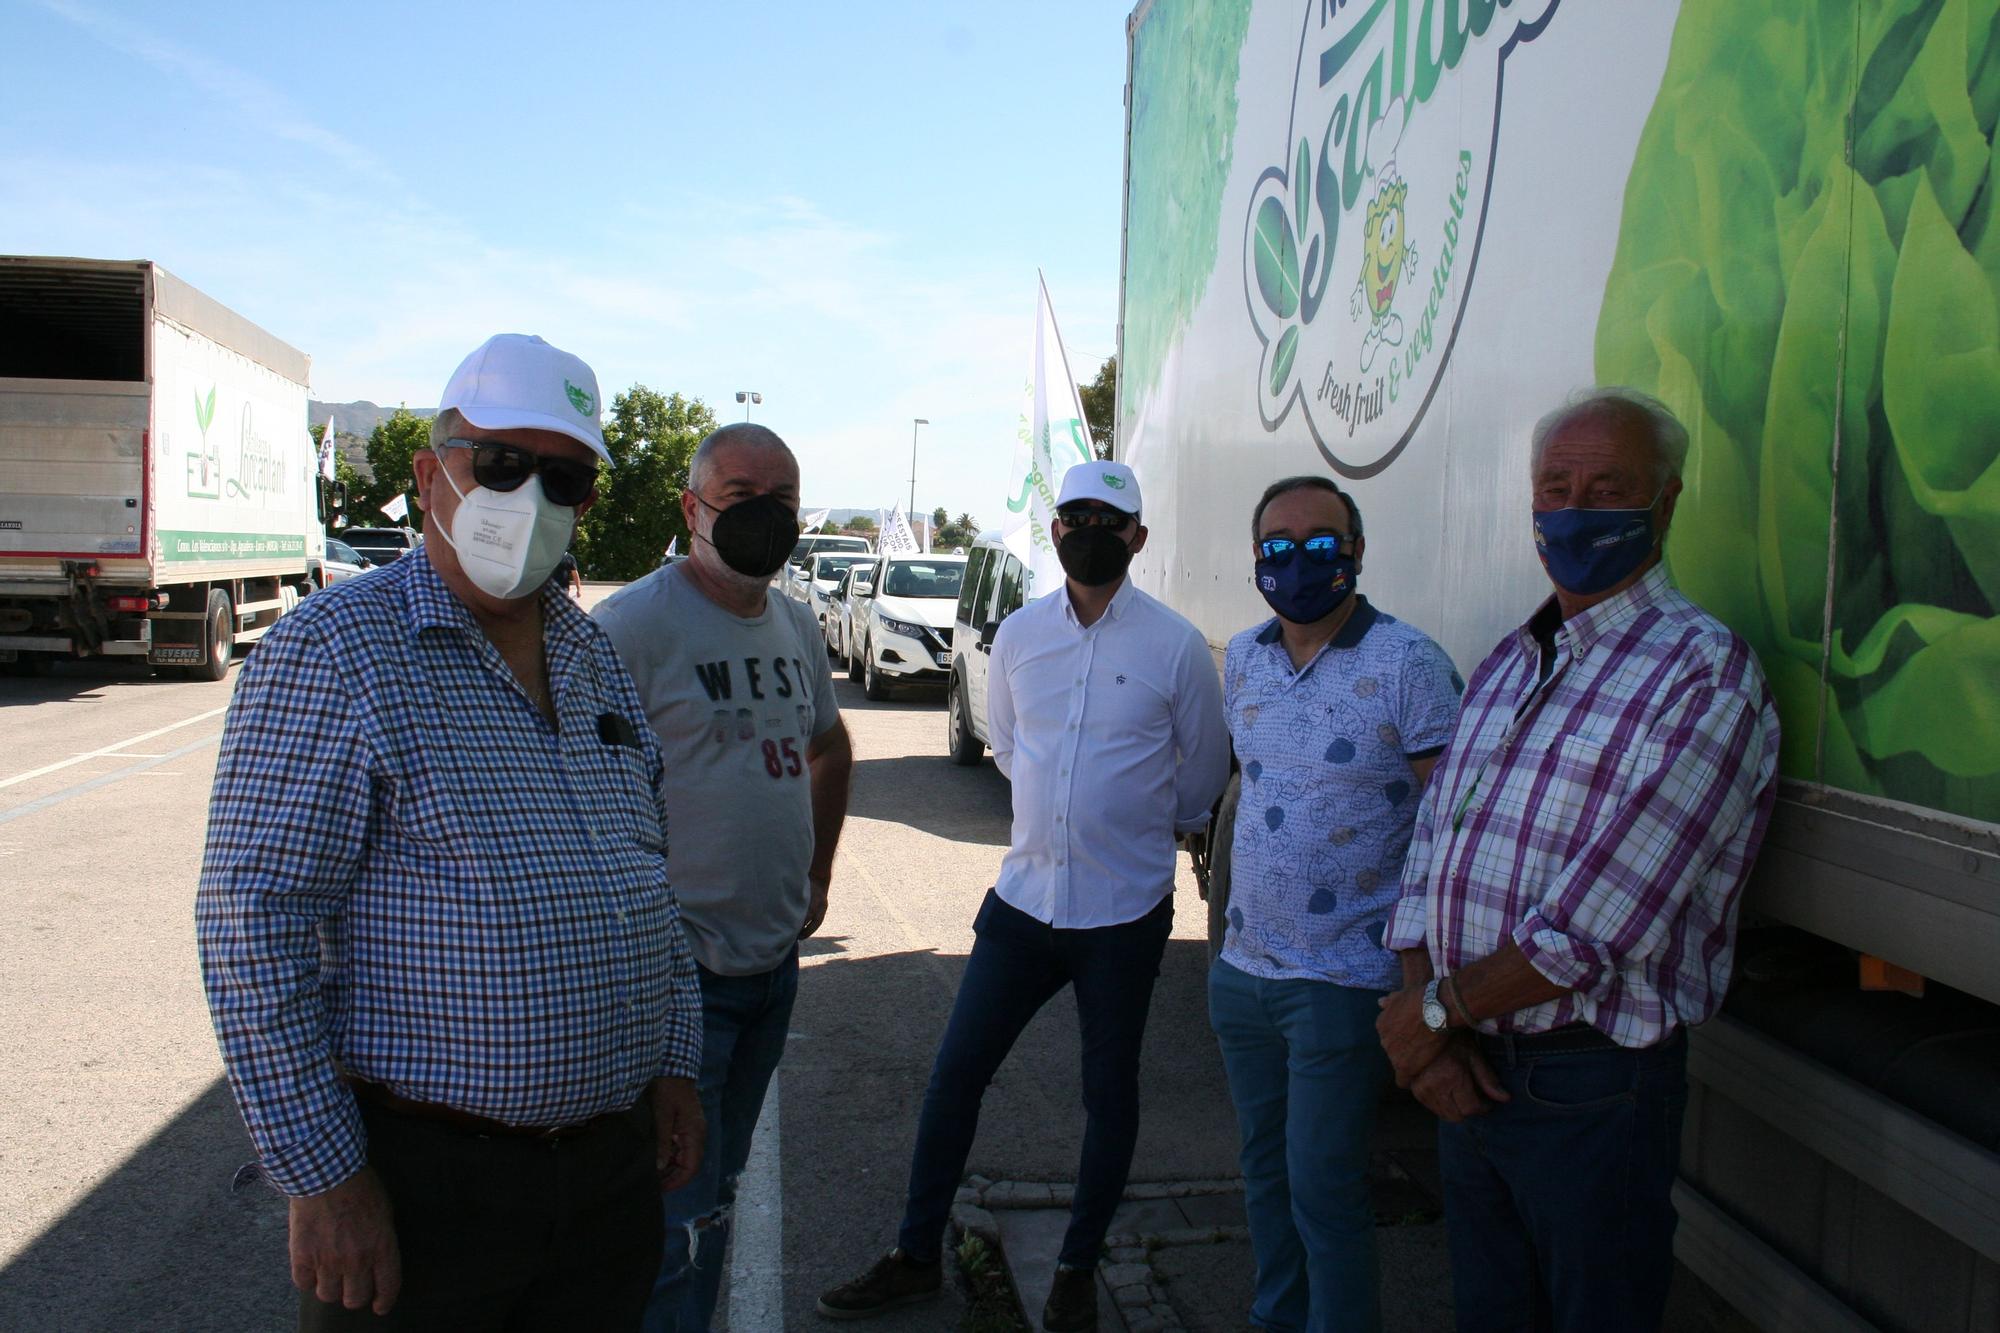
860 526
939 517
391 446
961 531
1100 406
651 437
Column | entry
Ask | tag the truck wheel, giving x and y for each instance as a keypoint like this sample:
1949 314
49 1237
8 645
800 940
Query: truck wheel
965 748
218 637
873 683
31 664
853 663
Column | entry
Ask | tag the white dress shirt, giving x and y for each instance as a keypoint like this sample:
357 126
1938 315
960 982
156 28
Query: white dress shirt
1113 736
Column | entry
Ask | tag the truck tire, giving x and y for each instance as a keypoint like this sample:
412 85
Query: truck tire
218 637
31 665
965 748
873 683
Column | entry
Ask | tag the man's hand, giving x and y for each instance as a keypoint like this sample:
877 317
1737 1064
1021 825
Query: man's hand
344 1245
1410 1046
1458 1084
816 910
682 1131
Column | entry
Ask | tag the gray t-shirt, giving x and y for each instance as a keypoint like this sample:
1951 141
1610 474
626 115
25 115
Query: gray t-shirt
734 702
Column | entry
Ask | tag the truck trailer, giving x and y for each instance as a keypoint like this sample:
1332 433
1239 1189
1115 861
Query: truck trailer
1378 239
159 490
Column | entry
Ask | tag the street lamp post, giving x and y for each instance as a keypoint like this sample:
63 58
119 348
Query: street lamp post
747 397
914 423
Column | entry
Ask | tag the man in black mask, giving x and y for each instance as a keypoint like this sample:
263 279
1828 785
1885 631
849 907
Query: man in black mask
1106 712
736 686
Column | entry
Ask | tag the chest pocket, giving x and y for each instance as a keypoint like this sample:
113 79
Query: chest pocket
1583 776
614 786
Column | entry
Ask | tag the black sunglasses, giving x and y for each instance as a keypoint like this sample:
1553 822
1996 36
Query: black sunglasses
1322 548
1083 516
504 467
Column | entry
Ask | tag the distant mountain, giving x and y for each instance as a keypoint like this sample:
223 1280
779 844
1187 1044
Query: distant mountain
357 418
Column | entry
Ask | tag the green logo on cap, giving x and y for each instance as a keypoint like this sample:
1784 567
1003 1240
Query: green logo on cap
1114 481
580 400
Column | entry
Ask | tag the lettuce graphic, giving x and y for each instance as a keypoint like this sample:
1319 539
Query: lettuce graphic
1808 271
1184 67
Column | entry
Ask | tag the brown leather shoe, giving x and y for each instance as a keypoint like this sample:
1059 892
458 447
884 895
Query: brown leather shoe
1072 1306
896 1279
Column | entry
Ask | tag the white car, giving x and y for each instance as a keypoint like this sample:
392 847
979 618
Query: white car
816 580
900 633
996 586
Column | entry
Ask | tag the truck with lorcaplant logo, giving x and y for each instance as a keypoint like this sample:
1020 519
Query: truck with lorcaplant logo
160 495
1378 239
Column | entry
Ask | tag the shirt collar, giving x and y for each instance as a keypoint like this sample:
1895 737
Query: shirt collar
433 605
1116 611
1586 627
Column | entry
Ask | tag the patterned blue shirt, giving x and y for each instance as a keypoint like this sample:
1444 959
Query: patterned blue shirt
1329 795
412 878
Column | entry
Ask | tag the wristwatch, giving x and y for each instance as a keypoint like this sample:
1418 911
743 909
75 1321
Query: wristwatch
1435 1017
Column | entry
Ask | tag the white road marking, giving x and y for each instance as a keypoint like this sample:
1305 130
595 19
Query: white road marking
113 750
128 754
104 780
757 1240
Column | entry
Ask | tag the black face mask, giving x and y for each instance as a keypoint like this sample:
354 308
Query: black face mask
755 536
1093 556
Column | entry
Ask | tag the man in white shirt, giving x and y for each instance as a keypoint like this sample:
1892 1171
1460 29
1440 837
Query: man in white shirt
1106 712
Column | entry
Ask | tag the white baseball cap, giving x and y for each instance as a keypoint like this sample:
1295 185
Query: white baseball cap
1113 483
515 381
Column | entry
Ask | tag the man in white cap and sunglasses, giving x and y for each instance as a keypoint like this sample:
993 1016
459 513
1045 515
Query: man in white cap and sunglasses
444 964
1106 714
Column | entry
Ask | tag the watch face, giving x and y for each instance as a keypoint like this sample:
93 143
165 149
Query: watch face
1434 1015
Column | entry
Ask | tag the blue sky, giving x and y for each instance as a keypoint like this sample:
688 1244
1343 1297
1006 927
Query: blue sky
840 206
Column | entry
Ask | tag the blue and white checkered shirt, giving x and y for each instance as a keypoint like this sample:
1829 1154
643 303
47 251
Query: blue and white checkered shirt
411 878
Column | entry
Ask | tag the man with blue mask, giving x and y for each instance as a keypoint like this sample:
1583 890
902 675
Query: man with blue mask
1568 904
1337 711
444 964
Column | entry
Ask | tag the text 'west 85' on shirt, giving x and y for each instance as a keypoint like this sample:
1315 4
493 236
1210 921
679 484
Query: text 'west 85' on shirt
1112 735
1603 818
411 877
735 703
1329 794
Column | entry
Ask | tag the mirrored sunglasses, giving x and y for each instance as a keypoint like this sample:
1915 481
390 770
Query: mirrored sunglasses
1322 549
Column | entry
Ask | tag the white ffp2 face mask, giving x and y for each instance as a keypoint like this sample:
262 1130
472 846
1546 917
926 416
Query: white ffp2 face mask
508 542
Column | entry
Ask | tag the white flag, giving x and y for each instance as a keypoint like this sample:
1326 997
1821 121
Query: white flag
328 447
398 508
814 521
1053 435
897 539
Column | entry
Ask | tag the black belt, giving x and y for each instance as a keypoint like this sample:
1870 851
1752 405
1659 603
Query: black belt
465 1122
1573 1039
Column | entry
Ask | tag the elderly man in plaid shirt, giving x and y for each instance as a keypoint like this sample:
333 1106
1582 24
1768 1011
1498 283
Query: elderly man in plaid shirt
442 958
1569 901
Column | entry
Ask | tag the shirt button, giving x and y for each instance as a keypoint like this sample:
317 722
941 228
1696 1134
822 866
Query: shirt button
1059 819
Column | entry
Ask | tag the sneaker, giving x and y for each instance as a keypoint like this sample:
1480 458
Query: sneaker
896 1279
1072 1306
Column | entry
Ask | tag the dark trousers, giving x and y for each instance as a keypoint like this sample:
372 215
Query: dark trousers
510 1233
1017 965
1558 1203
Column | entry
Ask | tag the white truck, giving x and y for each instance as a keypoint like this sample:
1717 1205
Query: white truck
159 491
1378 238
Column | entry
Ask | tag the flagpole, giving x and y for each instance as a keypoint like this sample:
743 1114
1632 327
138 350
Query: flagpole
1075 397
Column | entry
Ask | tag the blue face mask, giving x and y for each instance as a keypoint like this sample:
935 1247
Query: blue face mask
1309 585
1588 550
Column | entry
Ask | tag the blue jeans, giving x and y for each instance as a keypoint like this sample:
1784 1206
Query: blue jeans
1558 1203
1306 1072
1018 963
743 1025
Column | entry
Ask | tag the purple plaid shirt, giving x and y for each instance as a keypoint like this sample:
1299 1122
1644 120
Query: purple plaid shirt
1604 819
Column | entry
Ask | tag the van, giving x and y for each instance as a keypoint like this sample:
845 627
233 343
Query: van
994 588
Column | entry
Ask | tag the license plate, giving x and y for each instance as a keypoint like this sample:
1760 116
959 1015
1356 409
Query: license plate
944 659
176 657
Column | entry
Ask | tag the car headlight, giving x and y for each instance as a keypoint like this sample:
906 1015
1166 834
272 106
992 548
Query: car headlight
903 627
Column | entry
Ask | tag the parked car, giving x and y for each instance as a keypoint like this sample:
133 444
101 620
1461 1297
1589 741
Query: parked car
813 543
901 633
382 545
995 587
343 562
850 588
816 580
